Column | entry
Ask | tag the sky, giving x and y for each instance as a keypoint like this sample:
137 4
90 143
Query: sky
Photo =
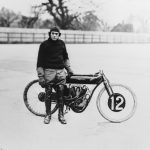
112 11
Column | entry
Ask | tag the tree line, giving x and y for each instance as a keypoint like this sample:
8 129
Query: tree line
60 15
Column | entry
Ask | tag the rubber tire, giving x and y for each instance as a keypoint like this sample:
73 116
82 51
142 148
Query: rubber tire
123 119
27 100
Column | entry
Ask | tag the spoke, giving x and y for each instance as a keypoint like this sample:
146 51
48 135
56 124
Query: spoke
32 101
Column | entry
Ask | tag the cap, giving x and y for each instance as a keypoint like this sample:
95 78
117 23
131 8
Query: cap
54 29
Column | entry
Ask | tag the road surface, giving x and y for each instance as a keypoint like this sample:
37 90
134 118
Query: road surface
127 64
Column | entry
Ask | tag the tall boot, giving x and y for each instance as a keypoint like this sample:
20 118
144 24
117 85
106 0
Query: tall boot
61 114
48 105
60 91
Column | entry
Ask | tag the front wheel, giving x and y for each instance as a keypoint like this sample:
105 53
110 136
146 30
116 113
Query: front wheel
118 107
34 99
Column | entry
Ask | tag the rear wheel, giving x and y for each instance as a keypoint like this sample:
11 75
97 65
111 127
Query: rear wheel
34 99
118 107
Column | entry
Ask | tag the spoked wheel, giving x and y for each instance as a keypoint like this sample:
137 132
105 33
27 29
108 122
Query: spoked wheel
34 99
118 107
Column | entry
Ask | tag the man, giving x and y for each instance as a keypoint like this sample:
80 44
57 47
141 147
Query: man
51 64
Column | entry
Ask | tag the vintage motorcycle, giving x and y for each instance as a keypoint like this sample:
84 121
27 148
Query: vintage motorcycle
115 102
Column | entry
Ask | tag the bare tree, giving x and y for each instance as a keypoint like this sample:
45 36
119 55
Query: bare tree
90 21
7 17
60 13
68 14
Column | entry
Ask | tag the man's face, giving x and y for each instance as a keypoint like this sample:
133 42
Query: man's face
54 35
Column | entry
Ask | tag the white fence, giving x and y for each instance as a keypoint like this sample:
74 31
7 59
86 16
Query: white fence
21 35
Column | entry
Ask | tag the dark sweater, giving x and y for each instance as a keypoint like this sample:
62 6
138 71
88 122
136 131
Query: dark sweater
52 54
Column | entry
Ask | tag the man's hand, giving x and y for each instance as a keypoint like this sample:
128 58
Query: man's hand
42 82
70 72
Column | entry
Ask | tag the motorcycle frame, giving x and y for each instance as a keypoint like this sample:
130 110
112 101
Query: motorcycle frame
96 79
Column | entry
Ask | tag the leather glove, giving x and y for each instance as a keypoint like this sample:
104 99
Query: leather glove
42 82
70 72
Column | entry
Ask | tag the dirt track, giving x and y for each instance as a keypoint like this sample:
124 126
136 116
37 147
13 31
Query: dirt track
19 129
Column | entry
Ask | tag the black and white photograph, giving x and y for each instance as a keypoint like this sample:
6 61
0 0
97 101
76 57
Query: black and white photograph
74 75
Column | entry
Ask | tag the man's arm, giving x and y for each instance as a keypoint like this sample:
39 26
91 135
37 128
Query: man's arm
67 62
40 57
68 67
39 68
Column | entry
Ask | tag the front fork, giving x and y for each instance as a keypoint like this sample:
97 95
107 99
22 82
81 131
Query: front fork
106 84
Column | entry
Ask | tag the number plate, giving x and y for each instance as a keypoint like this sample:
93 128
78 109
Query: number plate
116 102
